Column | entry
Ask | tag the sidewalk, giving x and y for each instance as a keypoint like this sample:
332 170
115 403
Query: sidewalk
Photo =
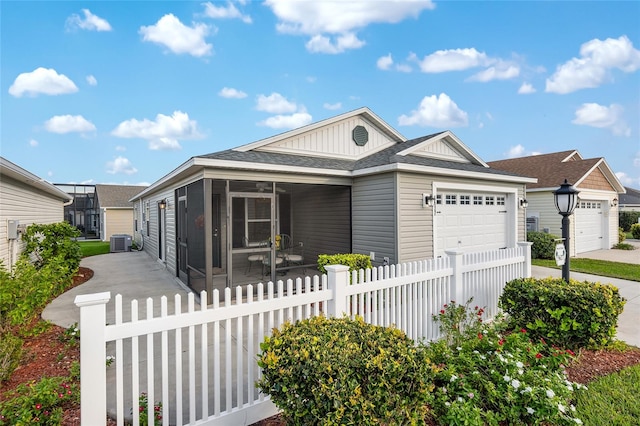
629 320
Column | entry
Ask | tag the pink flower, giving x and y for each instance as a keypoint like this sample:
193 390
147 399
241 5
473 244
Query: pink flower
442 311
522 330
38 406
538 355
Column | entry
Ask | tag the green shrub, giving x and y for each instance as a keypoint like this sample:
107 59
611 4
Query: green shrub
52 241
494 378
336 371
626 219
635 231
39 403
544 245
621 235
10 352
573 315
354 261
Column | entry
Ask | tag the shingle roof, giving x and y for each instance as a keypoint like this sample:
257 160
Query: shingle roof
381 158
632 197
550 169
117 195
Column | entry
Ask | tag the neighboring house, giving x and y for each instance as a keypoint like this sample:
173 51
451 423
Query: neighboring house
115 209
348 184
25 199
629 201
594 224
82 212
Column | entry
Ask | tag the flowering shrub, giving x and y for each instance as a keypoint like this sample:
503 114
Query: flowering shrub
143 407
488 377
39 403
71 335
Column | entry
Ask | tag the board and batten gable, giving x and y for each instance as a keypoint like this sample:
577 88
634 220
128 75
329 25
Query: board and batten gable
333 140
28 204
374 214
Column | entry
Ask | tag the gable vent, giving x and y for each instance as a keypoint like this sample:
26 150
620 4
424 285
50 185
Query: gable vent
360 135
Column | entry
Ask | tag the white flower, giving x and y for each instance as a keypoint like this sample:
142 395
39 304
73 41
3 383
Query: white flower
570 387
447 403
530 410
573 408
550 393
444 390
526 390
515 383
578 421
476 352
519 364
459 348
507 378
453 378
562 408
483 357
460 399
521 372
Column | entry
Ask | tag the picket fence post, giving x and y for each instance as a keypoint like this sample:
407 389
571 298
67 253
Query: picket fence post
527 257
337 282
93 354
455 257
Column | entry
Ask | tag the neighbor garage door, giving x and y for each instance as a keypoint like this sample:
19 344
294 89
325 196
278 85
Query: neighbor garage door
589 226
470 221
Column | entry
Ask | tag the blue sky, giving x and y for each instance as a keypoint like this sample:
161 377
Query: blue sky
124 92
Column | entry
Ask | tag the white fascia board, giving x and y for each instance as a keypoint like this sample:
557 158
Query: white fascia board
442 172
574 152
16 172
457 143
243 165
193 161
373 118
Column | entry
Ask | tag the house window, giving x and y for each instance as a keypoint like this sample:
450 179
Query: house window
450 199
258 226
465 200
477 200
438 199
500 201
489 200
146 218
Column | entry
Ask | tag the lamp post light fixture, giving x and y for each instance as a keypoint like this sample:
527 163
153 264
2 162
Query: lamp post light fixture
566 198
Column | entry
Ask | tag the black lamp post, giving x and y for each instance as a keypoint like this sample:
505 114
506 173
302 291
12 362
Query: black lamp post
566 198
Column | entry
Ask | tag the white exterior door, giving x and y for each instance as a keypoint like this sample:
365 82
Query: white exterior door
471 221
589 228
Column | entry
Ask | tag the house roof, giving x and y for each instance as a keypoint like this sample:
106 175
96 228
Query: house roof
552 169
9 169
117 196
632 197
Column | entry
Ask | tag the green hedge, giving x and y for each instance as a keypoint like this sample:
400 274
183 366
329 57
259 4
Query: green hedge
544 245
635 231
354 261
338 371
573 315
627 219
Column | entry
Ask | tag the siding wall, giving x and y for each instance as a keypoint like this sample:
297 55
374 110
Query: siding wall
116 221
375 217
27 205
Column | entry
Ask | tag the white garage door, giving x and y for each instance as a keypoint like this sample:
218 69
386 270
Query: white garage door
470 221
589 226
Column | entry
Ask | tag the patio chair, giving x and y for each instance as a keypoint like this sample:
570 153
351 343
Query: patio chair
293 254
254 257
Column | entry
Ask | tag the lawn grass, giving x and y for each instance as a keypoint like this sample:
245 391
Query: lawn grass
611 400
92 248
604 268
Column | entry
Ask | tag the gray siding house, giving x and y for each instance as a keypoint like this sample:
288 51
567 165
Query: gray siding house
25 199
348 184
116 211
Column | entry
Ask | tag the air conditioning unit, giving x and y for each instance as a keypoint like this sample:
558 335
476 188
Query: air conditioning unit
120 243
532 224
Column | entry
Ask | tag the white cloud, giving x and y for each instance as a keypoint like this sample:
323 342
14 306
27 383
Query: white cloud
341 18
384 62
499 72
90 22
121 165
627 180
324 44
516 151
163 133
45 81
292 121
121 148
92 80
603 117
275 103
228 92
593 67
222 12
436 111
176 36
526 89
332 107
33 143
69 123
404 68
453 60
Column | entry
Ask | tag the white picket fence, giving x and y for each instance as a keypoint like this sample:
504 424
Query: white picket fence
201 364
